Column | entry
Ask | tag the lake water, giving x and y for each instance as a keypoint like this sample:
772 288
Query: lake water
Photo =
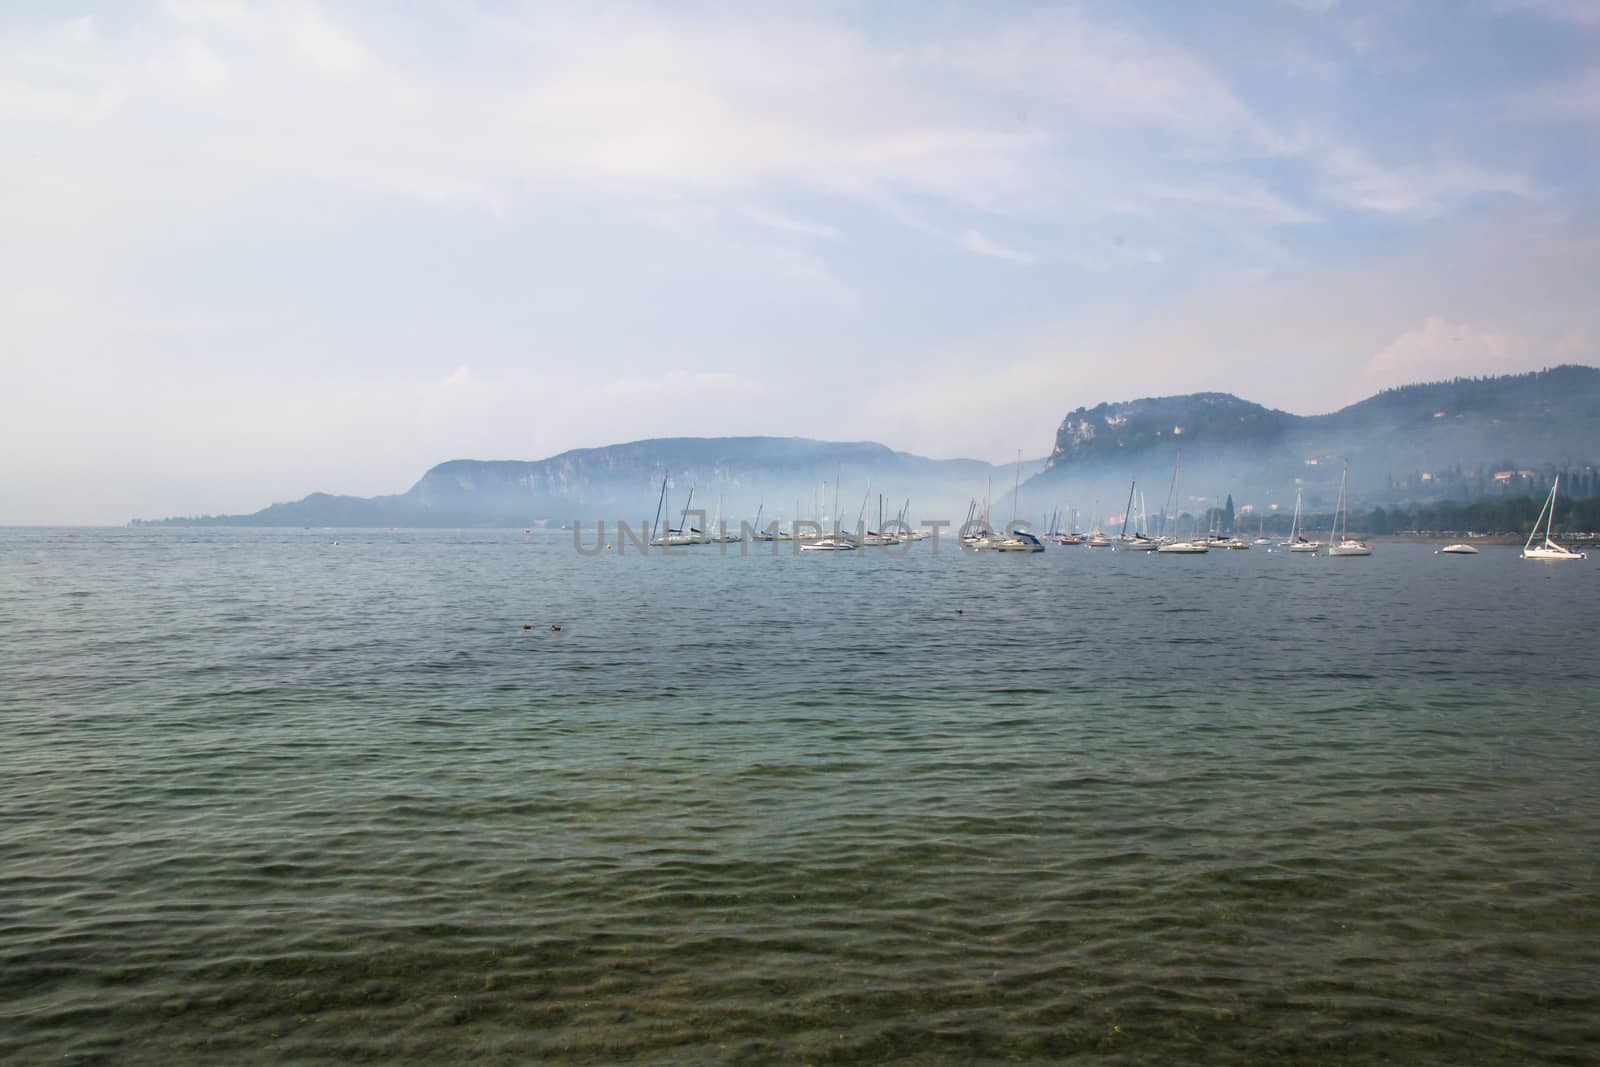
313 796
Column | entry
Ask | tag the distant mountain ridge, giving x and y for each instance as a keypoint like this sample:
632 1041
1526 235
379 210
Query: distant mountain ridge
1459 439
624 481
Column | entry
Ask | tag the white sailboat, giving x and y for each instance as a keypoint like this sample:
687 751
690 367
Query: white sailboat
1171 546
1298 542
776 534
1343 544
720 534
1016 540
678 536
1549 550
1135 541
1070 537
981 533
838 541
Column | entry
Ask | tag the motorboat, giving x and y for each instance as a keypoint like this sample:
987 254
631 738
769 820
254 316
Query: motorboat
1183 548
1019 541
835 543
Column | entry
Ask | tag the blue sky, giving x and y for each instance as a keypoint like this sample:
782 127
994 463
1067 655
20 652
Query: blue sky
253 250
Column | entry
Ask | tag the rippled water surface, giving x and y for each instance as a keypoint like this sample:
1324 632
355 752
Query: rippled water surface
313 796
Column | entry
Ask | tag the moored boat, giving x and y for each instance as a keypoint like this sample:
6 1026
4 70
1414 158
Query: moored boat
1549 550
1345 545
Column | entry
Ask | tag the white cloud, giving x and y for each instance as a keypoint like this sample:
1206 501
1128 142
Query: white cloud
1349 175
788 224
1581 12
1229 195
1440 349
975 241
1574 99
680 384
200 64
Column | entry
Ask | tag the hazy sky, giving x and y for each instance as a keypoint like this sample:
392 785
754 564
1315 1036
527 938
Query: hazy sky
252 250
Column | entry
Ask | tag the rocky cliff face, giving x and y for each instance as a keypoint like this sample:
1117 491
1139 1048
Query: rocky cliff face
1414 443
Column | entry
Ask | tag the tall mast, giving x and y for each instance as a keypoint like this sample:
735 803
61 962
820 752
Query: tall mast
1172 494
1550 518
686 504
1127 511
1016 485
660 502
836 516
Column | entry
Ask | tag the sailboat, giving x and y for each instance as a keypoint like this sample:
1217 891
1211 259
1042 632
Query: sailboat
1071 536
678 536
836 541
1171 546
1549 550
1298 542
981 535
1343 544
722 536
875 538
1016 540
1261 533
1097 537
906 532
778 534
1136 541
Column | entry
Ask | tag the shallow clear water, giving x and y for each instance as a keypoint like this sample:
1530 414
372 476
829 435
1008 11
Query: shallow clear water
265 797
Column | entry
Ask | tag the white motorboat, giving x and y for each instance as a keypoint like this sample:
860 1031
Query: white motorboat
1183 548
1549 550
1019 541
1458 550
835 543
